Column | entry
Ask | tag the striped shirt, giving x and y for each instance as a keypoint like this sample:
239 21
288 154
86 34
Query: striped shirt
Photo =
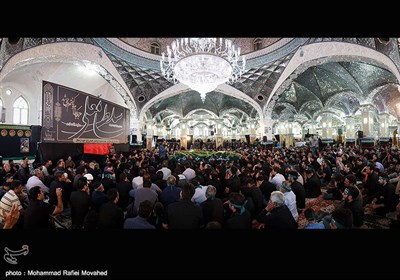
8 199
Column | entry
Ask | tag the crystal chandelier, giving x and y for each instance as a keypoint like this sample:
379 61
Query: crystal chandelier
202 63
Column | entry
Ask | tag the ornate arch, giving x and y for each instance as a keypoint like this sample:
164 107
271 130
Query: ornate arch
322 52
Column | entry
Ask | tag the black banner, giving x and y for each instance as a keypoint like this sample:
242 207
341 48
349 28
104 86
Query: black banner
72 116
16 141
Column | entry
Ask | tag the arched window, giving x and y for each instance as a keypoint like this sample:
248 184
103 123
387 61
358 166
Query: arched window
155 48
257 44
224 132
205 131
20 111
196 131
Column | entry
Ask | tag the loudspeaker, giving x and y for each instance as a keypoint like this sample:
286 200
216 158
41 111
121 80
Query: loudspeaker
212 133
247 136
360 134
36 131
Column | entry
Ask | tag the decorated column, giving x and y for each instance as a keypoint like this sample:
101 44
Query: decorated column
324 122
367 119
168 130
350 127
160 128
243 131
289 136
396 135
218 134
149 135
184 128
329 130
312 128
253 134
384 125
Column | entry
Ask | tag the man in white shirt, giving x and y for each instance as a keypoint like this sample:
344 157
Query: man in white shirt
276 178
189 172
36 180
11 197
199 193
138 180
290 199
165 170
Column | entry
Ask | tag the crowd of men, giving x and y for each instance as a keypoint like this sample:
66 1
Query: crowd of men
267 188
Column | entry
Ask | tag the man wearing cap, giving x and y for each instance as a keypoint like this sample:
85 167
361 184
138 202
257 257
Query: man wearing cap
89 178
98 196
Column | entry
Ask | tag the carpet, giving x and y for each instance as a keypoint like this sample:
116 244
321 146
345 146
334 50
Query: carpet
324 207
320 206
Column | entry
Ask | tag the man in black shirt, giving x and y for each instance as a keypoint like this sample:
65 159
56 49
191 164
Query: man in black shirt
184 214
37 214
110 215
80 203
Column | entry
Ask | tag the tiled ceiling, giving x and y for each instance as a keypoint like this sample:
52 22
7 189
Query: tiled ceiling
338 85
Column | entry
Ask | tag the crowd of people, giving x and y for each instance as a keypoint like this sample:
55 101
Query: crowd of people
267 188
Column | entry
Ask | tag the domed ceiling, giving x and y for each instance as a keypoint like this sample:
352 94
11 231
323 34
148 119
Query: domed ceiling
282 80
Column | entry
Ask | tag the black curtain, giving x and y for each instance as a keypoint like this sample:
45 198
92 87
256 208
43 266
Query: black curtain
55 151
247 138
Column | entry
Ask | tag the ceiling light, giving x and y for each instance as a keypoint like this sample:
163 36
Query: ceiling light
202 63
